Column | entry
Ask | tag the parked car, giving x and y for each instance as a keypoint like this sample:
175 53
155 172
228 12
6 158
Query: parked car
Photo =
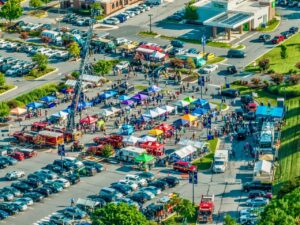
3 164
258 193
133 185
63 182
265 37
232 69
286 34
74 212
161 184
55 187
140 197
47 173
249 219
11 161
124 189
171 180
257 185
35 183
293 30
177 43
277 39
73 178
96 165
6 196
26 200
137 179
112 21
39 177
14 175
147 176
122 65
233 93
127 201
22 186
35 196
12 190
61 219
8 208
184 167
209 68
21 206
232 53
3 215
152 189
45 191
257 202
109 194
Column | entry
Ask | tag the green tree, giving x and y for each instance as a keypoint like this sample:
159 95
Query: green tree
228 220
11 10
190 64
264 64
107 151
277 78
35 3
116 214
74 49
4 109
41 60
103 67
191 13
2 79
185 208
283 51
98 10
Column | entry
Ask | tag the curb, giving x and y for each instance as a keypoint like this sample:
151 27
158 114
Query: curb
210 168
14 88
54 71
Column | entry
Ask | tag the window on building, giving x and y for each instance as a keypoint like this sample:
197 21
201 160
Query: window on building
121 2
117 4
113 6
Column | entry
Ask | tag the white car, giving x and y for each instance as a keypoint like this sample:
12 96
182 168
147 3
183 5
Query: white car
137 179
122 65
75 161
64 182
14 175
121 41
130 13
21 205
248 218
112 21
257 202
210 68
133 185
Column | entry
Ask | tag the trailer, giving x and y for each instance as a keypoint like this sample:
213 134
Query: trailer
49 138
206 209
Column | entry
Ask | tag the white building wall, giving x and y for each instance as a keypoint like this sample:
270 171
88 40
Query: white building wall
259 16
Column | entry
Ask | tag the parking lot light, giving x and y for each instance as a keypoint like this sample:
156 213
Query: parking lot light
150 25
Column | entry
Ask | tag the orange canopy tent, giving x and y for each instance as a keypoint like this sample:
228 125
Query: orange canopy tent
189 117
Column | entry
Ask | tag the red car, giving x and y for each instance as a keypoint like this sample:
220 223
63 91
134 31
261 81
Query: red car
18 156
257 193
277 39
184 167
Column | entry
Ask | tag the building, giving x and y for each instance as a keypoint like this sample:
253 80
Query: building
235 15
109 6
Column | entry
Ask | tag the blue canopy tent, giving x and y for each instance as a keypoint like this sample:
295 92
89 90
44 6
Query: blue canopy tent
48 99
273 112
34 105
153 89
199 112
180 122
202 102
108 94
124 97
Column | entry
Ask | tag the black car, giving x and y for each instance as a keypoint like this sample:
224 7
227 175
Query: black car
54 187
124 189
35 183
232 53
73 178
265 37
67 165
293 30
9 208
147 176
246 99
172 181
14 191
232 70
55 168
39 177
96 165
3 215
286 34
230 93
45 191
3 164
35 196
159 184
140 197
257 185
22 186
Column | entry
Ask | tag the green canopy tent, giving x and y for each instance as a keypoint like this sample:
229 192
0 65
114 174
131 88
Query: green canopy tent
145 161
189 99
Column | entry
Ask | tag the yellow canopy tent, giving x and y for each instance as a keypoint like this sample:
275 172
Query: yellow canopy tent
127 47
155 132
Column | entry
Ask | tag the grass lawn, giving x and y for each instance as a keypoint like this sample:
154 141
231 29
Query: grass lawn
205 162
5 88
140 87
270 27
38 13
276 62
215 60
39 74
147 33
289 154
219 105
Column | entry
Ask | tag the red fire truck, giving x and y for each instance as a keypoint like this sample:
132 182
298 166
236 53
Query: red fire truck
206 208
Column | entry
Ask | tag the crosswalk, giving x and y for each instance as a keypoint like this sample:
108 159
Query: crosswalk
44 220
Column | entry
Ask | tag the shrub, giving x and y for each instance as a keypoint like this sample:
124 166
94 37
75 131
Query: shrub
255 80
15 103
24 35
277 78
4 109
298 65
266 83
264 64
178 63
294 79
107 151
292 71
271 71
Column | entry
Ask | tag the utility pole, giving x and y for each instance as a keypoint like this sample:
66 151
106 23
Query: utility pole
150 25
193 180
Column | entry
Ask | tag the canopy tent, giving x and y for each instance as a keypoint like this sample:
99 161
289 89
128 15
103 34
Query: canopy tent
60 114
100 123
68 90
144 158
150 114
18 111
83 105
202 102
127 102
91 78
48 99
168 108
199 112
72 83
183 153
189 99
160 111
267 157
196 144
106 112
153 89
124 97
127 47
181 103
265 111
164 127
189 117
132 140
157 55
147 138
34 105
113 109
180 122
108 94
88 120
263 167
155 132
140 97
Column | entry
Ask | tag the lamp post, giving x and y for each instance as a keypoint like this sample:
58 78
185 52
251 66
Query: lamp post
150 25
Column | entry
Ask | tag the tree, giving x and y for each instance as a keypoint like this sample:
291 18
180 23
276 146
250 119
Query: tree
41 60
228 220
283 52
24 35
103 67
2 79
107 151
255 80
190 64
294 79
4 109
11 10
264 64
178 63
298 65
74 49
35 3
115 214
185 208
98 10
191 12
277 78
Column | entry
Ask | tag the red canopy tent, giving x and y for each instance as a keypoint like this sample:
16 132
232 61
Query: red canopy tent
152 47
164 127
69 90
153 148
37 126
88 120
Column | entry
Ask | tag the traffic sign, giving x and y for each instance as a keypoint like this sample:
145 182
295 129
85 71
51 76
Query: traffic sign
61 150
193 177
201 81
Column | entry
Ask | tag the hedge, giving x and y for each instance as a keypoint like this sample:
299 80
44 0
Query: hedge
285 90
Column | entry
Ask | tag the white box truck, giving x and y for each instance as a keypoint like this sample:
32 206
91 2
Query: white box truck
220 161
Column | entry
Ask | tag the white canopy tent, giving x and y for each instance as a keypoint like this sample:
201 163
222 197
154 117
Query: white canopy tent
160 111
168 108
183 152
91 78
196 144
72 83
147 138
181 103
130 140
263 167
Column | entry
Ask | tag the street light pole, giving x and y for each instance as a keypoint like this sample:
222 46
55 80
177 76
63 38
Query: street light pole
150 25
